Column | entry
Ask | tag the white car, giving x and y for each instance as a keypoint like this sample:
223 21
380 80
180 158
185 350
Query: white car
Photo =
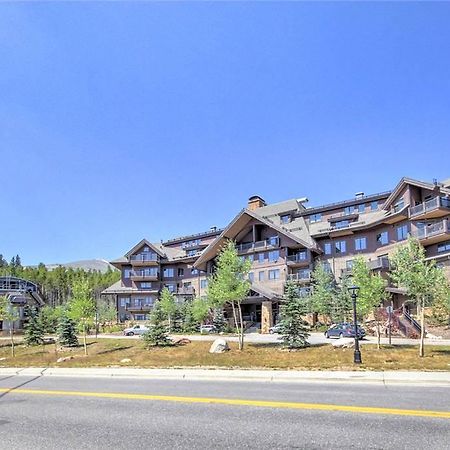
136 330
207 329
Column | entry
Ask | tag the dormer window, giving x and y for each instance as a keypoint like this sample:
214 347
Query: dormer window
285 218
399 205
314 218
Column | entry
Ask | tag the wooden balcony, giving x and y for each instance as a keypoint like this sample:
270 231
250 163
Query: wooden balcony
434 233
433 208
250 247
300 277
138 275
298 260
144 260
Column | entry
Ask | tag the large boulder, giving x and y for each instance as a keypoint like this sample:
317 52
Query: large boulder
219 346
343 343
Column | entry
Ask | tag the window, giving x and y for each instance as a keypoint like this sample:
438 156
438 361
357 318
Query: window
274 255
301 256
349 264
314 218
383 238
374 205
445 247
340 246
341 224
261 257
274 274
140 316
191 252
194 271
250 258
125 301
251 277
146 285
402 232
360 243
304 274
327 248
348 210
261 276
399 205
171 287
180 272
169 272
148 301
273 241
286 218
360 208
203 284
127 273
326 266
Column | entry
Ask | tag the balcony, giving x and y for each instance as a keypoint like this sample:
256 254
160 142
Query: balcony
186 290
143 275
300 259
435 207
144 259
135 308
250 247
379 264
433 233
299 277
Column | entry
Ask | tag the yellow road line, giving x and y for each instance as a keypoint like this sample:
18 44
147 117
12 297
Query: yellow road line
237 402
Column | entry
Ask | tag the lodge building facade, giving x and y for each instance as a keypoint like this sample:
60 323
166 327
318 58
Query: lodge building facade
284 241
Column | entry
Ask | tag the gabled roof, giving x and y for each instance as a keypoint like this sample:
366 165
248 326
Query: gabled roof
236 226
421 184
264 292
149 244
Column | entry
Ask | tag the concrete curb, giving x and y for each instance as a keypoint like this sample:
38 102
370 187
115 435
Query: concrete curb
286 376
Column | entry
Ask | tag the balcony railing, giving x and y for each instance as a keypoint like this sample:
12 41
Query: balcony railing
144 257
144 274
186 290
298 258
299 276
143 307
259 245
431 230
429 205
379 263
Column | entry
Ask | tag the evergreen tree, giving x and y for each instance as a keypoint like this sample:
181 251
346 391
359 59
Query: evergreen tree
294 328
34 332
219 320
67 335
189 324
157 335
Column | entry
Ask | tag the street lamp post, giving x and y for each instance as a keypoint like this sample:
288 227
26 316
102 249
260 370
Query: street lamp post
357 354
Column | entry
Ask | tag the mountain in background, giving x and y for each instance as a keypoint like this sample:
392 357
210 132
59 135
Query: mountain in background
87 264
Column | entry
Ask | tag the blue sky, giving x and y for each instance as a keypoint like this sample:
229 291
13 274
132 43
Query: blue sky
120 121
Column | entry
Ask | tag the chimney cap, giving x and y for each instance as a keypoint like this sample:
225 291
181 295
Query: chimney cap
256 197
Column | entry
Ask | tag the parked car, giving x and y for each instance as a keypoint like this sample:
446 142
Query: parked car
340 330
275 329
137 329
208 329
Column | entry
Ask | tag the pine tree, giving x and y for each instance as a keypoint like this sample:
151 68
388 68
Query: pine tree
219 320
67 336
189 324
157 335
34 332
294 328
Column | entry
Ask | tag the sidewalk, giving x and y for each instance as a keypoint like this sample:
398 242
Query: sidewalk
287 376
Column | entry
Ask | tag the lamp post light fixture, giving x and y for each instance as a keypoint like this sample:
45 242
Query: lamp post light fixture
357 353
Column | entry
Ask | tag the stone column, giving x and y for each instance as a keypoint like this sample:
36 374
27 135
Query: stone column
266 317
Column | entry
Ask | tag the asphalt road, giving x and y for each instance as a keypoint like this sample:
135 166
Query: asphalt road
79 413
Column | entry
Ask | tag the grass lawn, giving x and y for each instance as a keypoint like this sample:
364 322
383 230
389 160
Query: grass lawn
109 353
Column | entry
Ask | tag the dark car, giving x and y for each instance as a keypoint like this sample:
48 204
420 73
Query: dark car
340 330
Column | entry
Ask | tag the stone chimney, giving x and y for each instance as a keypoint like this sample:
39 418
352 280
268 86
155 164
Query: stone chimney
255 202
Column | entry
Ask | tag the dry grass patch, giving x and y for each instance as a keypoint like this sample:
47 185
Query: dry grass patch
110 352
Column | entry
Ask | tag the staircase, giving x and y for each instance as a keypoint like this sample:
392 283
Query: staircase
253 327
402 322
